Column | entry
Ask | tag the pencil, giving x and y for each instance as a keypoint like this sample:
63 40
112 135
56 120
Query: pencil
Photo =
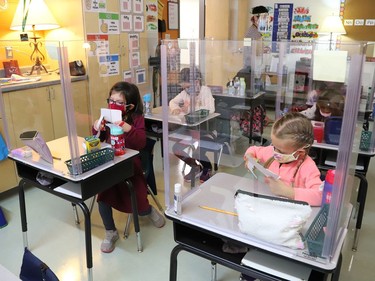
218 210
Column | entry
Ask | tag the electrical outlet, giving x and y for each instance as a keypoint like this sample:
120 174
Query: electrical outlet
8 52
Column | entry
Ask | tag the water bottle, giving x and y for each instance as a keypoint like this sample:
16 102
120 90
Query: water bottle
230 88
328 184
117 140
177 199
147 103
242 86
236 85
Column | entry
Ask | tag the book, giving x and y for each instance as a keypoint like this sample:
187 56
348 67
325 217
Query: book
11 67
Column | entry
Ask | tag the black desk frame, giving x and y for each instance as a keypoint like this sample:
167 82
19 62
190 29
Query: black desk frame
89 187
207 244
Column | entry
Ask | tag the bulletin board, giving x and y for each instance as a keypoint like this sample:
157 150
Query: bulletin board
359 10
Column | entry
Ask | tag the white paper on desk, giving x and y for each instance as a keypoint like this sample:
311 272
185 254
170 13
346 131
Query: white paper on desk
111 115
276 265
71 189
260 168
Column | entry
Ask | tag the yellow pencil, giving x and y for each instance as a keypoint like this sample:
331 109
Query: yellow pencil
218 210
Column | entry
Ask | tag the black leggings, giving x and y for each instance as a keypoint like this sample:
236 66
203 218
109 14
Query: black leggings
105 212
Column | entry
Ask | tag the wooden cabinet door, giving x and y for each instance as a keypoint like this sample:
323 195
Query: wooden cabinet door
7 169
30 110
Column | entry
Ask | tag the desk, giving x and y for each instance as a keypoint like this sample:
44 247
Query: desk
225 104
200 232
326 159
88 184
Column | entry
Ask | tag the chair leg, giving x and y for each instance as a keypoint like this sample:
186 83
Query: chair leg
213 271
127 226
75 212
160 207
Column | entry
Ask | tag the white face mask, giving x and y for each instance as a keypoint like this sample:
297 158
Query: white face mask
284 158
325 114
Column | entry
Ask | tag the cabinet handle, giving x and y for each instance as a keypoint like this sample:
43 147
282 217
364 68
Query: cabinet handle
48 94
52 93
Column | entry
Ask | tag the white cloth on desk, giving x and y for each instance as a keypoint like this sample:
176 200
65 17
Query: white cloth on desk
275 221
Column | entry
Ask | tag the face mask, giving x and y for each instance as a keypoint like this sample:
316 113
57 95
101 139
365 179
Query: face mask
325 114
118 107
284 158
262 22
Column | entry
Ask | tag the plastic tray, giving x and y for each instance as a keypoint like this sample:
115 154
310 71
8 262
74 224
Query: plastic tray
92 160
194 117
315 234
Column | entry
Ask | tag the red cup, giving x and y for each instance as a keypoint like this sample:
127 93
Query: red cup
318 131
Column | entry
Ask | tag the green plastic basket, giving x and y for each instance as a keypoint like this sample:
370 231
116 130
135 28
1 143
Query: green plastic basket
194 117
92 160
315 234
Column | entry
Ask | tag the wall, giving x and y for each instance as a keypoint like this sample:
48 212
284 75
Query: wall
360 9
174 34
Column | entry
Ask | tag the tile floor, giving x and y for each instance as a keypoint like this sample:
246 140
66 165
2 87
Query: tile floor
54 237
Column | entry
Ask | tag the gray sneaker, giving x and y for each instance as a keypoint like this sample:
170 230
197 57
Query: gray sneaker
108 244
156 218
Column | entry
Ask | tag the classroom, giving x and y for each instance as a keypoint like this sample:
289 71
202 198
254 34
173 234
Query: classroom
187 139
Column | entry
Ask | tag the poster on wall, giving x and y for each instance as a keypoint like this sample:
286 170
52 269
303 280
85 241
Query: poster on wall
109 23
303 28
151 15
133 42
109 65
127 76
134 59
125 6
99 45
138 6
126 23
95 5
282 22
138 24
140 76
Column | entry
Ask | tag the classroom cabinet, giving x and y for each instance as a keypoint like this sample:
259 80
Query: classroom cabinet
42 109
7 169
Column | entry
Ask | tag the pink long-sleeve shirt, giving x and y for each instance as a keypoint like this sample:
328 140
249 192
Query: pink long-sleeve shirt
306 181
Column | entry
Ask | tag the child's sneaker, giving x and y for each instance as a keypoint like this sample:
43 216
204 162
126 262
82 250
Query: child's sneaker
197 170
206 174
108 244
156 218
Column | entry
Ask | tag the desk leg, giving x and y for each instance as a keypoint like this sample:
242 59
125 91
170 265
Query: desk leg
88 241
173 263
21 196
361 200
135 214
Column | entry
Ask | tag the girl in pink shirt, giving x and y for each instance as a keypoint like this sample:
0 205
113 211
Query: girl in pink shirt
292 137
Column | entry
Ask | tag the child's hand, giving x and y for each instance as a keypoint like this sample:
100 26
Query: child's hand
176 111
279 188
99 127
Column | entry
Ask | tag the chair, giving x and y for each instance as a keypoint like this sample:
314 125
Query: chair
147 157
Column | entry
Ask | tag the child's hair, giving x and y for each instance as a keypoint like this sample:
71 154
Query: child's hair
332 100
296 127
132 96
185 75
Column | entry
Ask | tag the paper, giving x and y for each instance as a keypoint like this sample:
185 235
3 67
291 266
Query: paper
330 65
71 189
111 115
260 168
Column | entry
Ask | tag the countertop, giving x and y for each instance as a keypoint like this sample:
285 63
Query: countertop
46 80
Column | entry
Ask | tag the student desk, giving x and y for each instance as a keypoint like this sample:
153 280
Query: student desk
201 232
325 159
226 104
86 185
